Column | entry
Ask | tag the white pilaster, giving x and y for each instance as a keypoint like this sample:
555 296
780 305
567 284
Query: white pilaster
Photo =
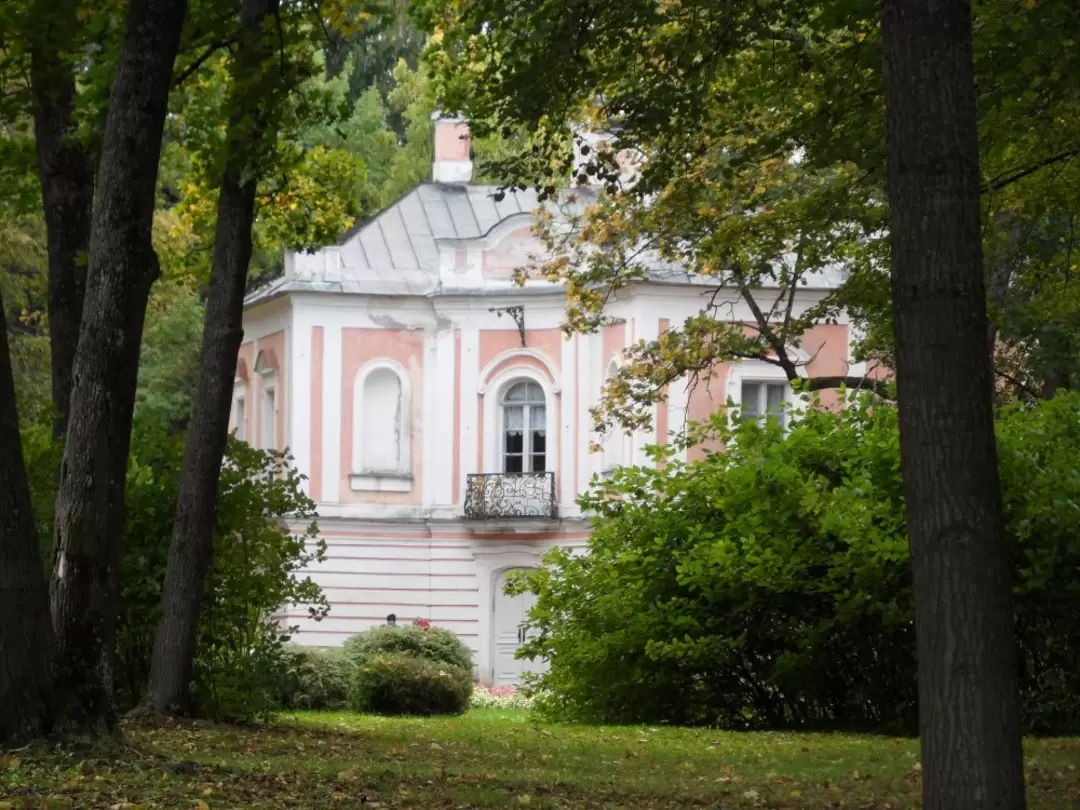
568 482
429 428
470 380
331 423
298 425
647 328
678 409
443 471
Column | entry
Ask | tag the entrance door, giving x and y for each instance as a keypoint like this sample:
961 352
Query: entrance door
508 620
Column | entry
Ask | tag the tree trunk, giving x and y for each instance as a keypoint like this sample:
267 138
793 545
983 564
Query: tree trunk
191 546
968 705
66 172
123 265
25 634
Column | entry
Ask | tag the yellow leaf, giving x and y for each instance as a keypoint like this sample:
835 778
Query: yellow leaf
201 805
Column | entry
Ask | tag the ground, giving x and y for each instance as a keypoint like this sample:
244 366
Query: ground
493 758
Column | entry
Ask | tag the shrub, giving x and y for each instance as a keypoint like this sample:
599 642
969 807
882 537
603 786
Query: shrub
241 665
769 585
431 643
241 662
320 679
403 683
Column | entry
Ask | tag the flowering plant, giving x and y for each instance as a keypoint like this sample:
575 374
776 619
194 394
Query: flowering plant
499 697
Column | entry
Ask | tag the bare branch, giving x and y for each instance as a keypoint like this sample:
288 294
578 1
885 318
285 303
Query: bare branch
1002 180
200 60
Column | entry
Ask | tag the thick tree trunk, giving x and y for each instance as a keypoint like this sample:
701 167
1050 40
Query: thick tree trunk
90 502
25 634
66 172
191 546
968 706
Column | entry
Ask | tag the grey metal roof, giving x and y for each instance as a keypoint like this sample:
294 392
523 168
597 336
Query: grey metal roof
396 252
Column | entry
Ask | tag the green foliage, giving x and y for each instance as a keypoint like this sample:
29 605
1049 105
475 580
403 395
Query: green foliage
241 657
405 683
431 643
169 364
747 143
319 679
242 666
769 585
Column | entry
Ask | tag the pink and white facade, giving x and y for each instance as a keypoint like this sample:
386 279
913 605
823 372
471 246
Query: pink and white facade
445 446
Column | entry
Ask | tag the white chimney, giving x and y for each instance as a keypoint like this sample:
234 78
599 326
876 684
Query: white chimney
451 163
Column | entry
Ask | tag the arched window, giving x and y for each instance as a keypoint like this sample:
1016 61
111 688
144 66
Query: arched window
524 423
266 367
381 428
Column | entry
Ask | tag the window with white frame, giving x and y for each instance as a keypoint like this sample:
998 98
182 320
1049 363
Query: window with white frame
524 428
760 400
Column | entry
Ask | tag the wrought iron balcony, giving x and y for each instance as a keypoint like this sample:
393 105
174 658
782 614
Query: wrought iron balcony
511 495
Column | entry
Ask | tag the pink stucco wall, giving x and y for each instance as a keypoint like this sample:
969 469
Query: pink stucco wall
359 347
706 398
451 141
827 346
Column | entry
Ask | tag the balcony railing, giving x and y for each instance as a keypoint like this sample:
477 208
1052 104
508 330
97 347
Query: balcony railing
511 495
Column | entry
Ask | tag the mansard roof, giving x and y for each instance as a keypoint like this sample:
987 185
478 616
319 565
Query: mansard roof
408 248
396 252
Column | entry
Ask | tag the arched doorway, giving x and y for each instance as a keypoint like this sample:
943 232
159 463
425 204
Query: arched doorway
508 631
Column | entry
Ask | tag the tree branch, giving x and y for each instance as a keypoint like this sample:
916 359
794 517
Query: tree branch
879 387
1002 180
211 49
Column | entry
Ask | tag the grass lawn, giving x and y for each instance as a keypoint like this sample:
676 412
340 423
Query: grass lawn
493 758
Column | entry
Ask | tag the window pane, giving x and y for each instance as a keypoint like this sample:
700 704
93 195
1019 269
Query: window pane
515 440
513 464
539 462
525 391
775 394
539 441
515 418
538 417
751 400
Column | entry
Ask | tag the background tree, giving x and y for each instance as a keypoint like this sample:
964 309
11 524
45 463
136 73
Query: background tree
66 171
259 94
25 632
743 131
122 267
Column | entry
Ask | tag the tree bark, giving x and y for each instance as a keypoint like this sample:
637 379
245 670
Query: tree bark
123 266
191 545
968 705
25 634
66 173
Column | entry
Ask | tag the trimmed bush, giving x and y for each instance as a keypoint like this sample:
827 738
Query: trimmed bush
403 683
321 679
430 643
